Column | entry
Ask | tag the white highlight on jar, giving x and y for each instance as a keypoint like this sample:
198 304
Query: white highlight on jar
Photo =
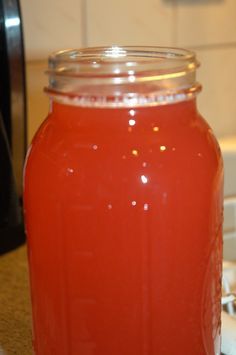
162 148
132 122
132 112
155 129
135 152
131 78
144 179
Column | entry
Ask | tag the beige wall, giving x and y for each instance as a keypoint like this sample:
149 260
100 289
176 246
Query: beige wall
207 26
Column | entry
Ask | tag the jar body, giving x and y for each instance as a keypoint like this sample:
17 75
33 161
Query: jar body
123 214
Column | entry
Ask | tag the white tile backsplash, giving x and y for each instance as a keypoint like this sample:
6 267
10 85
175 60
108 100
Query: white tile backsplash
51 26
205 22
129 22
217 102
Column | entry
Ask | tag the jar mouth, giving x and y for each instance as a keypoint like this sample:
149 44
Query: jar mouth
116 61
122 72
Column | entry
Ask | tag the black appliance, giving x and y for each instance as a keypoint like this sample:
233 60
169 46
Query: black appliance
12 124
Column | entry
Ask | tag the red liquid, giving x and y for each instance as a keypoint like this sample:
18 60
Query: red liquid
123 213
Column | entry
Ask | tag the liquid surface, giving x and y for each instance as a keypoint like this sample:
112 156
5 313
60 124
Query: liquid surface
123 215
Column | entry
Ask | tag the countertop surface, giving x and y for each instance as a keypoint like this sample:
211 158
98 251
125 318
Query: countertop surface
15 310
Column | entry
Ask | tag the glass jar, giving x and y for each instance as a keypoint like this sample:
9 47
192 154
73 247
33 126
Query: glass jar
123 207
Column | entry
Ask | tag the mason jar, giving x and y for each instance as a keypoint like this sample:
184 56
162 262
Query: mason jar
123 207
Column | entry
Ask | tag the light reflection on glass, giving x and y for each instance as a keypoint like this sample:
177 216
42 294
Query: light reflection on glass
162 148
115 52
131 78
145 207
117 80
132 112
135 152
132 122
144 179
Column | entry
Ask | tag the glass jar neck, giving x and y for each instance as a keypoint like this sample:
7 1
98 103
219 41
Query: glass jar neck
122 77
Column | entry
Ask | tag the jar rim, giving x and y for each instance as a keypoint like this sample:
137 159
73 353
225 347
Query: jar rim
122 76
122 61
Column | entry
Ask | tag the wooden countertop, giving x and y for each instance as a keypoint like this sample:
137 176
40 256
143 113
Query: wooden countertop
15 309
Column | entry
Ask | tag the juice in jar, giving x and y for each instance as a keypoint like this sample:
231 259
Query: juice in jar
123 211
